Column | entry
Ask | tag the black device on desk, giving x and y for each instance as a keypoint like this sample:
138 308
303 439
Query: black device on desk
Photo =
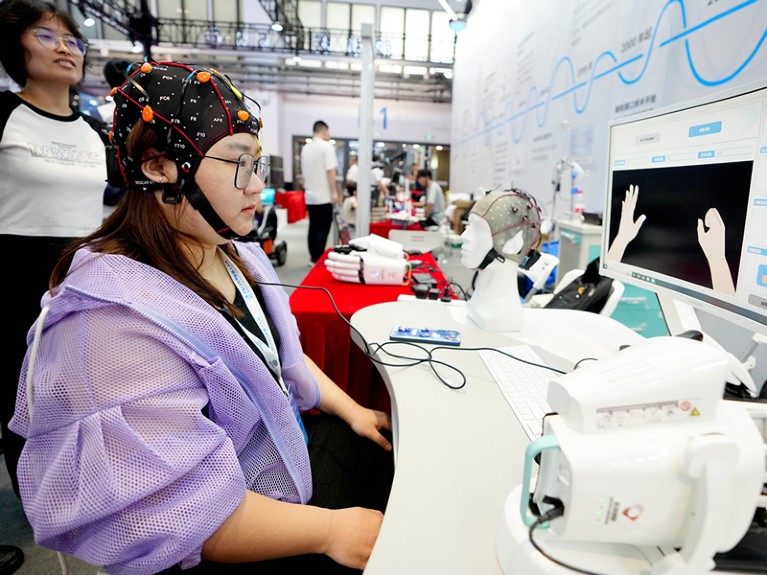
423 278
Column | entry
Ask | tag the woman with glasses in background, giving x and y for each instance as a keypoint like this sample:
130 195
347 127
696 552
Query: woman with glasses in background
52 172
172 419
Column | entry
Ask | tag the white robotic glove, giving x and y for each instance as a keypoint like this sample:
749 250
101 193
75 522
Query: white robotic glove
380 246
366 268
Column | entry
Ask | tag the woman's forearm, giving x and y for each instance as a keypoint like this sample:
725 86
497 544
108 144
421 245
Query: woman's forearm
264 528
333 399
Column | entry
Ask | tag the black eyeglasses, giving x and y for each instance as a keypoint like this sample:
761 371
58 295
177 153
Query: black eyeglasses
247 165
51 40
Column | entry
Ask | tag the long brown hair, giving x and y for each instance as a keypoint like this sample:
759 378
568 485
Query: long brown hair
139 229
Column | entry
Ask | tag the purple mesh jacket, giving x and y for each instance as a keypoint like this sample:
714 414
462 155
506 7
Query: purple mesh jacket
151 416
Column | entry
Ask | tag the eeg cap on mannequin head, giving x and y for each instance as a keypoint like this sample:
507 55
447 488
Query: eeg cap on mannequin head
511 214
189 108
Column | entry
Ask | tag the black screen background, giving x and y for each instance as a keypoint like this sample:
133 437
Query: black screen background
673 199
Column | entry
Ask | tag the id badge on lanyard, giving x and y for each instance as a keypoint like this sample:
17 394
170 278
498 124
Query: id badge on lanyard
268 349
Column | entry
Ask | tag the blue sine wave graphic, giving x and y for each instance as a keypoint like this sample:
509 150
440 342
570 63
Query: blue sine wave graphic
607 64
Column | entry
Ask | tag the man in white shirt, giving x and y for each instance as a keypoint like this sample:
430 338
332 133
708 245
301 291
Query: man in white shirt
318 168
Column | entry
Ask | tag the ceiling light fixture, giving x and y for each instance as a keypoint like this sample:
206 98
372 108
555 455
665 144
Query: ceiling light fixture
88 22
457 20
277 27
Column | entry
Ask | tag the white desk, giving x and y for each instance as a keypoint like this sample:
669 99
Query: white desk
459 453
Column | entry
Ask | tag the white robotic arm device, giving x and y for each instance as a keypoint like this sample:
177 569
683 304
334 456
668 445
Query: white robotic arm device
643 454
375 260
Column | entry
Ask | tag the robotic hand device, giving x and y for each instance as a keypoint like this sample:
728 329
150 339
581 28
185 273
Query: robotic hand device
370 260
644 468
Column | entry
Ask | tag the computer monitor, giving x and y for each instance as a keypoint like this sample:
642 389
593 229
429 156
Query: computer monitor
686 204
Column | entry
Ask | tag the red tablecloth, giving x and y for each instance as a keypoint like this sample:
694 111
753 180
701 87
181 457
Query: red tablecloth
294 202
383 228
325 336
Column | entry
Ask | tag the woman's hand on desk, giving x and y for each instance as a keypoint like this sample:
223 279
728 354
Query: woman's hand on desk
368 423
262 528
364 421
353 533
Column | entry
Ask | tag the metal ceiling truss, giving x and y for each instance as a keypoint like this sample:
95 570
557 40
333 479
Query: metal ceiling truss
255 54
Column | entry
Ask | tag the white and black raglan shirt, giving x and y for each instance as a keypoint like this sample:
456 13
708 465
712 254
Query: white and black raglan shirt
52 172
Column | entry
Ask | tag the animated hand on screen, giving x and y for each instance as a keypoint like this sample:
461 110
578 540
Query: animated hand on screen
366 268
628 227
711 241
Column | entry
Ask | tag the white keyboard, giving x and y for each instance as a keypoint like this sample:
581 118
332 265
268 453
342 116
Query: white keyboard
523 385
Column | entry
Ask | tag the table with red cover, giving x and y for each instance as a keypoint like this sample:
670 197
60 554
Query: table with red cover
383 228
325 336
294 202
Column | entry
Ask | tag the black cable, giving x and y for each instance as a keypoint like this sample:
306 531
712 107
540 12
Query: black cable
578 363
429 359
369 350
507 354
548 516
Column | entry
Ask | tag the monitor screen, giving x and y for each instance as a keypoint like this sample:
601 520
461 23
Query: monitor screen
686 204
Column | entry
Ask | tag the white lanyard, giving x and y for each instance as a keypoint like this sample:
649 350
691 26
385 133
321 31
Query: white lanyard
268 350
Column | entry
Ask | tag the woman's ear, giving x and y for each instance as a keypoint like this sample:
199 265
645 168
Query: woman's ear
159 168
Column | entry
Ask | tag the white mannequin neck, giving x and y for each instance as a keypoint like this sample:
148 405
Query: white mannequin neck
495 304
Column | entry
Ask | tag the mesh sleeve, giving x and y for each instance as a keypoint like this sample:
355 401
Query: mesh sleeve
121 467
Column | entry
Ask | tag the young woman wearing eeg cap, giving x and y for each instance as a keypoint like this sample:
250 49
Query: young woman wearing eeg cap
162 416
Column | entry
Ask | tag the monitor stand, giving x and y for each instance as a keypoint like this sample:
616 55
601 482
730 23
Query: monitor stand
680 317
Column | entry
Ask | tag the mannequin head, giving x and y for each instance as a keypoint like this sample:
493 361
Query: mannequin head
501 225
477 242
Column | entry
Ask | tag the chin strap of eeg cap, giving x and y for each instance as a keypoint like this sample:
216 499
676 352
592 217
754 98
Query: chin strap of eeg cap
492 255
200 203
196 197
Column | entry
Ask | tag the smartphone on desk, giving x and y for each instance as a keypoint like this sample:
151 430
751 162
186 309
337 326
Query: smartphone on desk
425 335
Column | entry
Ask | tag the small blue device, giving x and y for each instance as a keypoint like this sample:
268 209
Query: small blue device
425 335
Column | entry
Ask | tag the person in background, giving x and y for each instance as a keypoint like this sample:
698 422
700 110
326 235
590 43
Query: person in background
318 167
173 421
349 212
52 172
416 189
351 176
433 200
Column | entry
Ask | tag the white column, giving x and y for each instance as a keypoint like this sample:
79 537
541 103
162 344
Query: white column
367 81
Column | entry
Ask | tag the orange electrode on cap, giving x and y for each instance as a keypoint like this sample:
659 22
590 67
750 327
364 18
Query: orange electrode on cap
243 115
146 67
147 114
203 77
